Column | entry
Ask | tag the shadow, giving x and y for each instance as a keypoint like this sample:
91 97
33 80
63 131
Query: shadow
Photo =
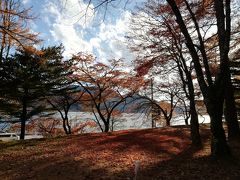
149 140
184 166
23 143
162 153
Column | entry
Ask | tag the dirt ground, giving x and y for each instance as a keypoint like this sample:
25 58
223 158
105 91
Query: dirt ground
164 153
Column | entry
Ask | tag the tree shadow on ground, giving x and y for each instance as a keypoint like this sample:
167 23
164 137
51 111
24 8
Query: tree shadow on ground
184 166
163 154
16 143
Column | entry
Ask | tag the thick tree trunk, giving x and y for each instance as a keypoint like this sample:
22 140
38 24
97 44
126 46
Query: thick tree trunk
23 118
219 146
230 111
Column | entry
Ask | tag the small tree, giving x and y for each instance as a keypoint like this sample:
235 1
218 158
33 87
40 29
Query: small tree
107 86
168 95
62 101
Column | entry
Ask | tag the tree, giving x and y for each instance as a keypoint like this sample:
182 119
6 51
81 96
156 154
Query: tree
63 100
213 90
193 18
46 126
27 78
156 38
235 71
13 27
168 94
107 86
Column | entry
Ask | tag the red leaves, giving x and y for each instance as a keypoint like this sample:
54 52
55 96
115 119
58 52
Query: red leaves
161 152
144 68
111 153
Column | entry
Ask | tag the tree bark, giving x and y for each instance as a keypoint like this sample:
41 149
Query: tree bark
188 84
195 135
106 127
65 126
230 111
219 147
186 121
68 126
23 118
167 122
194 124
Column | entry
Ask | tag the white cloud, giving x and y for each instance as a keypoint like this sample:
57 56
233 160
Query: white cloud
64 18
25 1
71 39
71 12
72 25
110 42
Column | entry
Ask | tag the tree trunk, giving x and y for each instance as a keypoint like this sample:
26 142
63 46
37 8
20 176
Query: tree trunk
23 118
195 135
230 111
219 146
213 96
65 126
106 129
167 122
106 126
68 126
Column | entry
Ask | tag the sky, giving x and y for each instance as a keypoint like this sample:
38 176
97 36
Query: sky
99 32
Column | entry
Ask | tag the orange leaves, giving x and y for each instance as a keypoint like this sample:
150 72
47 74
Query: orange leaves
165 8
133 84
107 86
214 68
13 20
83 58
97 74
32 50
46 126
80 128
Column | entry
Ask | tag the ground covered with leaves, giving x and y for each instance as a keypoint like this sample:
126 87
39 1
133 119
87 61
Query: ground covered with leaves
164 153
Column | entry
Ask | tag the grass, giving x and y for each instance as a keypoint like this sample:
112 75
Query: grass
164 153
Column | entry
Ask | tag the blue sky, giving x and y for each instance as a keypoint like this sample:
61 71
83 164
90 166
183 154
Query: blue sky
67 22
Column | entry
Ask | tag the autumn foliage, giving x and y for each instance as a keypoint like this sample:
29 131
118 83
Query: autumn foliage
106 86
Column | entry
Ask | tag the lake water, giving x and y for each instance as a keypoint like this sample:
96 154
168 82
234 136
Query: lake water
125 121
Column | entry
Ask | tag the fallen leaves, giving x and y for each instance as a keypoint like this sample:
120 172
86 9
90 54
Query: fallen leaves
161 153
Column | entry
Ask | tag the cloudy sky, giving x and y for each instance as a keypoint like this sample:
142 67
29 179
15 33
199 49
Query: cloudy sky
67 21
